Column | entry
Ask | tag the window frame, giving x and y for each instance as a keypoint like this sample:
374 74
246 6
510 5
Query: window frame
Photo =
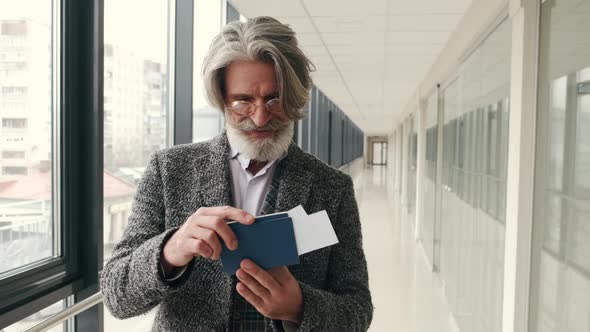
182 110
77 166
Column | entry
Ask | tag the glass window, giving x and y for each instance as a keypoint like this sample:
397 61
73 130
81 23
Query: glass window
207 120
8 123
561 251
136 94
38 317
470 249
305 130
232 13
11 154
582 150
136 91
556 132
27 90
412 164
429 183
313 121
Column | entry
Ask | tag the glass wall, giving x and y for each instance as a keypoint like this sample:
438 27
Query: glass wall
208 19
328 133
313 121
136 94
560 288
400 158
304 130
28 92
429 181
475 149
40 316
412 165
135 103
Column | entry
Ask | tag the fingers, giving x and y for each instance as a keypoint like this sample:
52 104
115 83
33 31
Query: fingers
253 284
256 286
210 238
260 275
199 235
281 274
249 295
227 212
219 226
198 247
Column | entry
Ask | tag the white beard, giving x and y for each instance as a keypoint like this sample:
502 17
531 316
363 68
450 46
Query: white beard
260 149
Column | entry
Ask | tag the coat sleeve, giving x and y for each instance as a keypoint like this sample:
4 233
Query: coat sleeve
131 280
346 304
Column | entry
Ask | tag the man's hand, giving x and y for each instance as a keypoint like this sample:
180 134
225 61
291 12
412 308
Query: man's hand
274 293
199 236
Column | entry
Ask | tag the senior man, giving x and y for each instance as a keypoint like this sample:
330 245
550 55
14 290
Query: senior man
169 255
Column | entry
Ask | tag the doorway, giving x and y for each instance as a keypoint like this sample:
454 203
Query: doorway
379 153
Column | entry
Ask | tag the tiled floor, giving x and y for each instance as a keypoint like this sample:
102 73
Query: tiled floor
406 295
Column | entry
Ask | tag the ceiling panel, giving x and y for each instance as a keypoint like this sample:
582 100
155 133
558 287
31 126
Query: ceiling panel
274 8
367 60
309 39
357 51
403 7
301 24
370 55
427 22
351 23
353 39
418 37
412 49
346 8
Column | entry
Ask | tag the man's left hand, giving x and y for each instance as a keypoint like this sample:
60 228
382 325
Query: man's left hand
274 293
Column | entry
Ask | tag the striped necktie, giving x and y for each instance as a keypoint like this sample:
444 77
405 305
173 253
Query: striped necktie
244 317
270 200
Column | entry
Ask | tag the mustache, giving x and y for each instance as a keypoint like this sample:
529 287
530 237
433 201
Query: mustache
249 125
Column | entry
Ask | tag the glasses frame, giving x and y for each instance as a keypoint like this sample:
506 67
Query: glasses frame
255 107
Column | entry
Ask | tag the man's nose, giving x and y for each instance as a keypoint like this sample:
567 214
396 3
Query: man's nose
261 116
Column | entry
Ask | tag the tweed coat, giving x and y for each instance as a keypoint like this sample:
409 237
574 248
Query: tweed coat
183 178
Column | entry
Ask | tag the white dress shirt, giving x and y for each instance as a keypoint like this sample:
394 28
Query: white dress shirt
249 191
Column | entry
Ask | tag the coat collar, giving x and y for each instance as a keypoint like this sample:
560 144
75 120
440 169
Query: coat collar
215 183
295 181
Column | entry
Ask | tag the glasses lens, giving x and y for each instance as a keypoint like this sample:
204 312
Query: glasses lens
274 105
242 107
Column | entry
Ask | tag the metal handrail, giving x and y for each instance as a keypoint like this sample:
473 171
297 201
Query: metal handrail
66 314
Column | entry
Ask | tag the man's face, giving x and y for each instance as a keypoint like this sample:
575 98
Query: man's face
263 133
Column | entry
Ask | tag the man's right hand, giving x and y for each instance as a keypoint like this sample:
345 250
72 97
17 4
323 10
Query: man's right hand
200 236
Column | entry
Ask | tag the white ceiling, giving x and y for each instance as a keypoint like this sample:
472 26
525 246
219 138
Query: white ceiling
370 55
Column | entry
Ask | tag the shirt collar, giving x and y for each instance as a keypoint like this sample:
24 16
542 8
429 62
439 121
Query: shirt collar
244 162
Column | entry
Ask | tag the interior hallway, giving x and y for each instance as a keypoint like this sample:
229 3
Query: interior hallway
407 296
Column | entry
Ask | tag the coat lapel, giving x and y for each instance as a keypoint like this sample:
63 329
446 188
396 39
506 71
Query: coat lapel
295 181
214 179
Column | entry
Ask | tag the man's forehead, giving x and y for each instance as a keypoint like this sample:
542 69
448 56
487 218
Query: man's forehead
251 78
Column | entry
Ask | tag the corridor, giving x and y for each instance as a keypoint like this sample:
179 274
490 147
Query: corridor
406 294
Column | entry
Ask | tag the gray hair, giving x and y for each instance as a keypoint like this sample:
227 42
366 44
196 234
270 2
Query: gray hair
260 39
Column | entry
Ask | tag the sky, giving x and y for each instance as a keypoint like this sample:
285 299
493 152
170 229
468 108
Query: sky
139 25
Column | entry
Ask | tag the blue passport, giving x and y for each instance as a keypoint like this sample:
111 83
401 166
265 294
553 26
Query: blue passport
269 242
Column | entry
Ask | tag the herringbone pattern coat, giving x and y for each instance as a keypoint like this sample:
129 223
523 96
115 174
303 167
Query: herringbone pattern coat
183 178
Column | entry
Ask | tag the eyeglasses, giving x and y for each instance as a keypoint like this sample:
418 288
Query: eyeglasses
246 108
